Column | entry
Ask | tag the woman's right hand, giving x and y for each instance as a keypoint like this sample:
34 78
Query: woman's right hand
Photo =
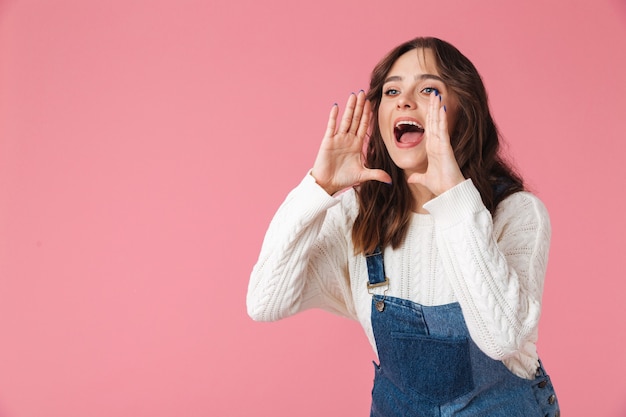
339 163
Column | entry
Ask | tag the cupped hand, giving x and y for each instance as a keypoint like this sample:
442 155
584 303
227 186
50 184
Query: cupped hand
339 163
443 171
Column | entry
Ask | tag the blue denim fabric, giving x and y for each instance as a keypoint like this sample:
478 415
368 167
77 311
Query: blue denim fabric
429 366
375 267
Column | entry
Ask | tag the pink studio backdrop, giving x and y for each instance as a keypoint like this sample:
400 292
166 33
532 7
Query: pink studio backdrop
144 146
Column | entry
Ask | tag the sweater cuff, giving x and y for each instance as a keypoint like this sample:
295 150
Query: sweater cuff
456 204
309 198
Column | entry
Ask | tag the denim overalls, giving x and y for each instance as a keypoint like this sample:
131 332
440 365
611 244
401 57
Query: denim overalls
429 365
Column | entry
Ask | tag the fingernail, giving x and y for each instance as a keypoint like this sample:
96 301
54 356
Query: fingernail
361 91
335 104
444 108
440 98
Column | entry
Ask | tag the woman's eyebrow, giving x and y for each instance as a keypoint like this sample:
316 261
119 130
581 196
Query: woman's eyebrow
393 78
419 77
428 77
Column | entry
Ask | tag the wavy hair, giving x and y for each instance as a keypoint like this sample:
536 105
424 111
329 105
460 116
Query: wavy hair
384 210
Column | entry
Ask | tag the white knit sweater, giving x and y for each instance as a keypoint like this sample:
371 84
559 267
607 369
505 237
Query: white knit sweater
494 268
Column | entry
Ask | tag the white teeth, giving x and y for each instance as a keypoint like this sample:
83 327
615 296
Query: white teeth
409 122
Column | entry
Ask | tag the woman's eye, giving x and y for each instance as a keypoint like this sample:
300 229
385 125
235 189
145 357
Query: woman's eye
430 90
391 92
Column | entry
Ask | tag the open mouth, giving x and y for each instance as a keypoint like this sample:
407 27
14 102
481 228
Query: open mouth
407 131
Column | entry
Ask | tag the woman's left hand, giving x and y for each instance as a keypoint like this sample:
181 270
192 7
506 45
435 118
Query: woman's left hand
443 171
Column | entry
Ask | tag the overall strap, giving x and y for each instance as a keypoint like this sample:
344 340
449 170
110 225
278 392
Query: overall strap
376 276
376 268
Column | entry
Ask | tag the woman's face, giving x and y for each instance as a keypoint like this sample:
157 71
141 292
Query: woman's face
405 97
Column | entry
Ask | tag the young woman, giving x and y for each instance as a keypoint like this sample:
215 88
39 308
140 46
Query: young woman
435 247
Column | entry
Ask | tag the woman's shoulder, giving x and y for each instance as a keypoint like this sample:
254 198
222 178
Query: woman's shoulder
522 209
522 201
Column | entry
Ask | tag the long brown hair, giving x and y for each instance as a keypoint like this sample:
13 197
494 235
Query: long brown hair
385 210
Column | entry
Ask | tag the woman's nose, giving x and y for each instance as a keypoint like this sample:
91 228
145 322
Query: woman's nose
406 101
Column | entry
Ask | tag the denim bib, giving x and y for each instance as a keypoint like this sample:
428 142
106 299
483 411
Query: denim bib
429 365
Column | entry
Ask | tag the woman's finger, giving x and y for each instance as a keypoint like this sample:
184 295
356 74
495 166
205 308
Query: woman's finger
443 122
358 112
429 116
364 123
433 113
346 119
332 121
375 175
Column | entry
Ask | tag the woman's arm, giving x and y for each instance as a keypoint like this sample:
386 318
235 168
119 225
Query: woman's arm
497 277
303 259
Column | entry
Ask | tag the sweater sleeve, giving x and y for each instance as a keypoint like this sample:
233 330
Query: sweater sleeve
303 259
497 266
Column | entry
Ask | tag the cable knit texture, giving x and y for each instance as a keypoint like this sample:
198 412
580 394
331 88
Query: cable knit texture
494 268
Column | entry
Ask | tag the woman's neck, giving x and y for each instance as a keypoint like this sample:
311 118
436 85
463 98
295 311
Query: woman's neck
421 195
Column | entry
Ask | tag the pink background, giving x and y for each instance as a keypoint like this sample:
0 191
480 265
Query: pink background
144 146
